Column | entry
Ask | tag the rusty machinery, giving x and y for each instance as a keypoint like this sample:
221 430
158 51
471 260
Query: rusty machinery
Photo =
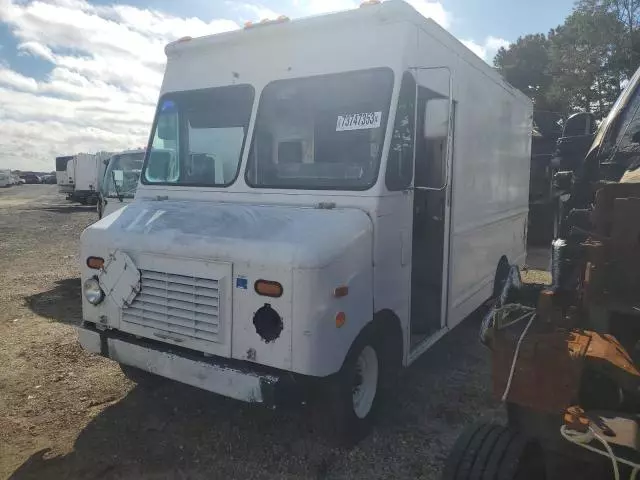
566 356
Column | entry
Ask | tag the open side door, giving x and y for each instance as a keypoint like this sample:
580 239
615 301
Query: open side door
435 120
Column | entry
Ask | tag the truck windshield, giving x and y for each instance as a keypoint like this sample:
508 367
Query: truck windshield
122 175
321 132
199 136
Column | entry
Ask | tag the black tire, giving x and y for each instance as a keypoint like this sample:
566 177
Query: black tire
346 427
493 452
140 377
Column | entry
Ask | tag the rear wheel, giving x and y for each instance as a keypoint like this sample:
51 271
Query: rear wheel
493 452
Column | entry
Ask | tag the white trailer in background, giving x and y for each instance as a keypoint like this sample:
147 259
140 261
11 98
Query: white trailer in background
65 173
89 171
79 176
6 179
321 201
120 181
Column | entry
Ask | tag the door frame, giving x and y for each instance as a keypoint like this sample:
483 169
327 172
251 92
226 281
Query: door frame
416 351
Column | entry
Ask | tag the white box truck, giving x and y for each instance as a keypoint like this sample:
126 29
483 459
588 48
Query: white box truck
6 179
89 171
321 201
79 176
65 172
120 181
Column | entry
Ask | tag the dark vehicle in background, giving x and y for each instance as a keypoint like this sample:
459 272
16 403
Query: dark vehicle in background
49 179
30 178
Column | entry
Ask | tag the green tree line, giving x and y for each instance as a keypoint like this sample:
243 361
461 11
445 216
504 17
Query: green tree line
583 64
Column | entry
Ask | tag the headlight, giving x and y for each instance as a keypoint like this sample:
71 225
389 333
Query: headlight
92 291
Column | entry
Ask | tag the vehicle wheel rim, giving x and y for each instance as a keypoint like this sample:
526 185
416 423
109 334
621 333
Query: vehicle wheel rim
365 382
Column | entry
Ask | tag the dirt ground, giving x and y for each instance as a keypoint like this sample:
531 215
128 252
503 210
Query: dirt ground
67 414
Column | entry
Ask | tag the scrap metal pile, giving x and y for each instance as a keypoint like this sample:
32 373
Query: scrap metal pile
565 356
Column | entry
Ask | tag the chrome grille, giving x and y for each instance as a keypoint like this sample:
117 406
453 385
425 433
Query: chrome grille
177 304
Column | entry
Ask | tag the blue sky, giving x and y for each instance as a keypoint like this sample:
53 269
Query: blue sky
60 60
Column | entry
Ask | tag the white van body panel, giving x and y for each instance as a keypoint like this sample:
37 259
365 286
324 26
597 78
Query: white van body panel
277 243
89 170
364 241
113 205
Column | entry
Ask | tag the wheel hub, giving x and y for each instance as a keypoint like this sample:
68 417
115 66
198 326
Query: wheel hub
365 382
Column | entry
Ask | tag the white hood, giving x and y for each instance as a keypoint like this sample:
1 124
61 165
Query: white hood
263 235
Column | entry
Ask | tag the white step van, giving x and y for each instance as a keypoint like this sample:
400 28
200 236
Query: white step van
321 201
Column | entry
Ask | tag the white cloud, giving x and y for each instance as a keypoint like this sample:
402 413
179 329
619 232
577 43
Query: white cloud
428 8
37 50
486 50
316 7
14 79
106 64
434 10
251 12
106 70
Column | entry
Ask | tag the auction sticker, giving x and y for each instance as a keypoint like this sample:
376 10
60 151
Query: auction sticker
358 121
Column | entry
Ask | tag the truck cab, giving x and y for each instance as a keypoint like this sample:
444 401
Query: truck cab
322 217
120 181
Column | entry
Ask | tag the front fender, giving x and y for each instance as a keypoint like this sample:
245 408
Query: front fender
319 344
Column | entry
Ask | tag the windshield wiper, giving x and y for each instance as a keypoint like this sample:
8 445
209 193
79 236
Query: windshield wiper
115 185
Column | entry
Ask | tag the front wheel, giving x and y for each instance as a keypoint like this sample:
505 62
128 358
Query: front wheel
354 395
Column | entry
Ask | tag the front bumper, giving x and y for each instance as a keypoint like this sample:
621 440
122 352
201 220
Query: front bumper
233 379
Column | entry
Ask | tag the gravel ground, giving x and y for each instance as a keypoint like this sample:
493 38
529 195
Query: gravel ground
67 414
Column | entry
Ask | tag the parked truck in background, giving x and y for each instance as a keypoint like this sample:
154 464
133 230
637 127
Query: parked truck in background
79 176
89 171
65 169
120 181
321 201
6 180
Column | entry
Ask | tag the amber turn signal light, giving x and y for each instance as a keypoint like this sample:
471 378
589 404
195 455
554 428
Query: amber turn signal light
268 288
340 292
96 263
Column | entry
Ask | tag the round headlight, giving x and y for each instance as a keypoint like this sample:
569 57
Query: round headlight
92 291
